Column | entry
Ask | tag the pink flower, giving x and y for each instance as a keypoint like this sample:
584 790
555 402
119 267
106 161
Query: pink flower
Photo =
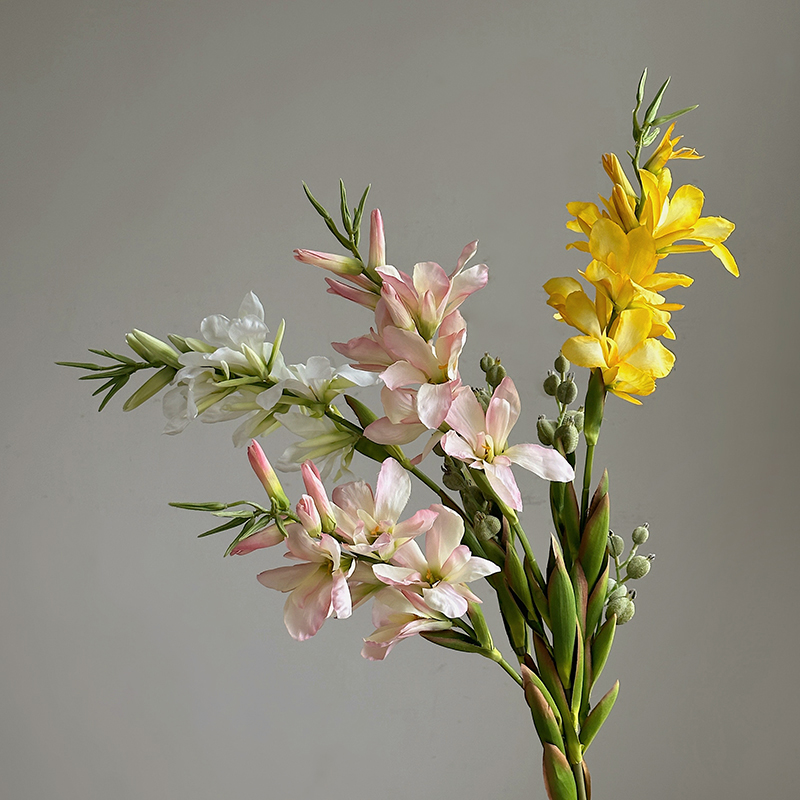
482 441
318 588
377 241
370 522
319 497
398 614
443 571
266 474
346 266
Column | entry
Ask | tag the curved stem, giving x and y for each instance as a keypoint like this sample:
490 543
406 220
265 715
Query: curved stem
495 656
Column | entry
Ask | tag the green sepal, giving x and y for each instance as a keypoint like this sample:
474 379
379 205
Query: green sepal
551 679
597 600
347 220
517 581
581 588
598 716
539 597
544 718
601 646
588 681
528 668
563 620
513 619
602 489
673 115
364 414
152 386
594 542
595 403
577 680
137 347
179 342
558 778
453 640
479 625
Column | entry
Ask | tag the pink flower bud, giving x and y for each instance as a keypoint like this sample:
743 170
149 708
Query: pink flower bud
268 537
341 265
267 476
315 488
377 242
309 516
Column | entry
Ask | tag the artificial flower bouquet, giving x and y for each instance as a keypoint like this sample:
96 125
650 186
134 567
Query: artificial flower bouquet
356 544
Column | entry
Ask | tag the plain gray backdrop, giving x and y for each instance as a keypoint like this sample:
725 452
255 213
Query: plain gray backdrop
153 154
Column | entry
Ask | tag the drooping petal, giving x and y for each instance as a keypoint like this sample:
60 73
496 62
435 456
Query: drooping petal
501 479
268 537
286 579
433 403
308 606
456 447
340 596
446 600
384 431
542 461
444 536
392 491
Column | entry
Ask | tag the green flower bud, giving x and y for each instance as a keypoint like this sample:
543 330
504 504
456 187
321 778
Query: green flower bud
483 397
561 365
623 607
495 375
615 545
486 526
550 384
546 429
487 362
641 534
437 449
567 391
610 586
454 481
567 436
578 418
619 591
638 567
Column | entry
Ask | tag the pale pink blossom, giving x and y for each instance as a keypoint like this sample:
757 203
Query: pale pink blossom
318 587
345 266
401 425
443 571
399 614
316 490
266 474
370 522
482 441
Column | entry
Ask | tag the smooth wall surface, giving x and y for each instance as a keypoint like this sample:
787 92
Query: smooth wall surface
153 154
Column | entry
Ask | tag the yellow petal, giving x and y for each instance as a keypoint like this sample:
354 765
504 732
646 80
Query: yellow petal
661 281
684 210
632 328
716 229
607 237
585 351
580 312
652 358
642 254
562 286
724 255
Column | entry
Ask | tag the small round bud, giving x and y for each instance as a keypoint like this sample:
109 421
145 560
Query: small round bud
638 567
615 545
486 526
454 481
495 374
619 591
561 365
567 436
438 450
610 586
550 384
487 362
623 607
578 418
567 391
545 429
641 534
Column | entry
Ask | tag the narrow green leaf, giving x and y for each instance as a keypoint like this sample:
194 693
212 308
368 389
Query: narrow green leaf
359 213
364 414
652 109
673 115
107 385
538 596
650 137
113 356
453 640
602 489
119 385
346 219
518 581
577 679
558 778
81 365
571 521
581 589
231 523
598 716
276 346
597 600
199 506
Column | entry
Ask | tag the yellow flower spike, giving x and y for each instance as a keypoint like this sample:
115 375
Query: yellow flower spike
614 171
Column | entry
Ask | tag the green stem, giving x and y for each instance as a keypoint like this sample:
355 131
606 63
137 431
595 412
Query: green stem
495 656
587 482
577 771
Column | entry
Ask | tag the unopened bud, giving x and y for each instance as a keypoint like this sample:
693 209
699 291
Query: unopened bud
486 526
495 375
561 365
545 429
619 591
638 567
623 607
454 481
487 362
577 417
567 391
483 398
550 384
641 534
615 545
567 436
265 473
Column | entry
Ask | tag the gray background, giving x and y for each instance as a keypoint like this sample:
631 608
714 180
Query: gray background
152 159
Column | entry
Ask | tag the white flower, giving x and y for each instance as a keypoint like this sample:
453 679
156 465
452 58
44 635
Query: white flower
319 383
329 446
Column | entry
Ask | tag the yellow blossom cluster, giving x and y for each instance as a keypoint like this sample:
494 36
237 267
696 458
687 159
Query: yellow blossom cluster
626 241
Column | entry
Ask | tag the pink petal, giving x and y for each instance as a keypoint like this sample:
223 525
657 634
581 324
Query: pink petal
444 536
340 596
501 479
456 447
286 579
430 277
542 461
446 600
396 576
383 431
472 570
502 419
308 606
269 536
466 416
360 296
402 373
392 491
433 403
421 522
466 283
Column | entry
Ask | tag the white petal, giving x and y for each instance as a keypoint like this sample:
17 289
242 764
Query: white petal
546 463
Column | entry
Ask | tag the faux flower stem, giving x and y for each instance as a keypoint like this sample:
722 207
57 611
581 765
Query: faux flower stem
577 771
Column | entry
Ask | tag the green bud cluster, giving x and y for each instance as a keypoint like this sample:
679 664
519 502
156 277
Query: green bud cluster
487 526
493 369
618 597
